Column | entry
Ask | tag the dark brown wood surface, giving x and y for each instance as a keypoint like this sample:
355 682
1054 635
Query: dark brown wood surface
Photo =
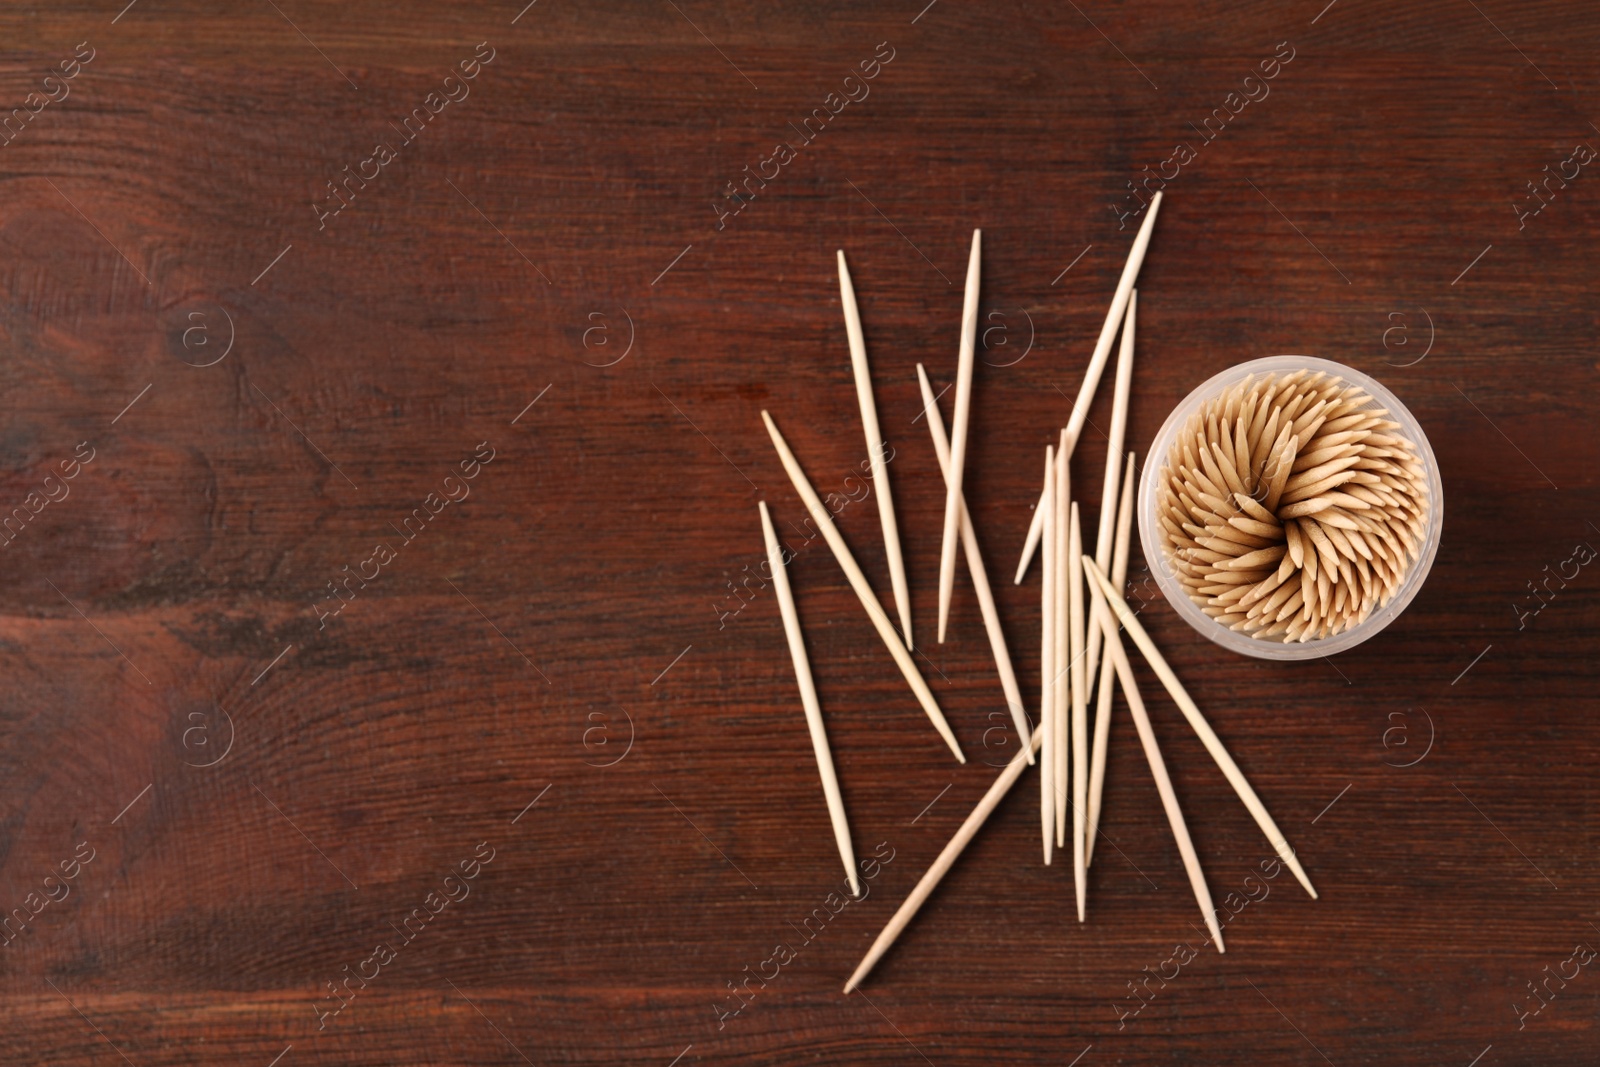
250 798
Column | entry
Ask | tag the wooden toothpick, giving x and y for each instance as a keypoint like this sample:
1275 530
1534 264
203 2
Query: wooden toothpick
1080 714
808 700
1117 657
858 582
1062 630
875 447
1102 718
1208 736
1102 351
958 435
980 575
1108 489
941 866
1047 661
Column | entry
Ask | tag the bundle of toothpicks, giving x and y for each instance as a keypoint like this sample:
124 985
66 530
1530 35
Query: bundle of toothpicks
1083 615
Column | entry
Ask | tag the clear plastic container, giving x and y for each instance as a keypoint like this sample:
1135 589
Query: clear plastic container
1267 648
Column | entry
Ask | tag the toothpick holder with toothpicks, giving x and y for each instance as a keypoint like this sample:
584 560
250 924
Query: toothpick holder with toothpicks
1290 508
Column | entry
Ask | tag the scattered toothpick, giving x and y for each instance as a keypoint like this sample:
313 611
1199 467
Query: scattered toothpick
875 448
941 866
958 435
858 582
1102 717
1062 630
1117 657
1108 489
1047 660
808 699
1097 362
1208 736
980 575
1080 714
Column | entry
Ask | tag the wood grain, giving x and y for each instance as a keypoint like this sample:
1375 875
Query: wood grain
588 626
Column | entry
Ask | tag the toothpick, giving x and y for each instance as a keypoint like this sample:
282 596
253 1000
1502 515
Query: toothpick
1035 529
1208 737
1117 658
858 582
1108 489
941 866
1047 661
1080 714
958 436
1064 665
980 575
1102 351
808 699
1102 718
875 447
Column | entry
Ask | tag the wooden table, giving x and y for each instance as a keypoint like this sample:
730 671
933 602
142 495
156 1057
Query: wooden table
544 746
